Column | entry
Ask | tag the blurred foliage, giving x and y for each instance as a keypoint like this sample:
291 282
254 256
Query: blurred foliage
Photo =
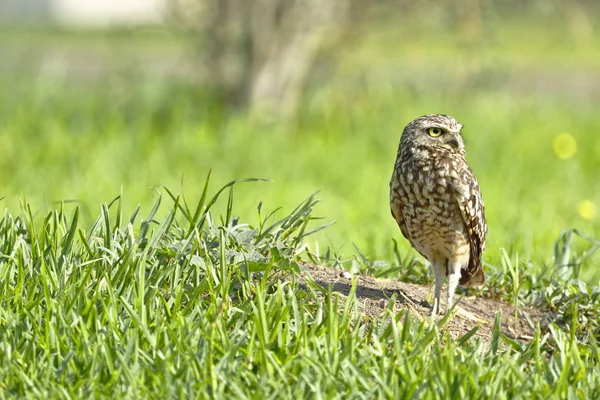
84 115
262 53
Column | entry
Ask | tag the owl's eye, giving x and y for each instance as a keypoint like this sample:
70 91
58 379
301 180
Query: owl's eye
435 132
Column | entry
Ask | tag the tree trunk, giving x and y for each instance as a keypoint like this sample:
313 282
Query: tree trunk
259 53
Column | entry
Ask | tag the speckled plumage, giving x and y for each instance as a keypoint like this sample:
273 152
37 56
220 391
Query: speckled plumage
435 198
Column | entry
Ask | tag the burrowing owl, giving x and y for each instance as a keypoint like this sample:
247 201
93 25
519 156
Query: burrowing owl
436 201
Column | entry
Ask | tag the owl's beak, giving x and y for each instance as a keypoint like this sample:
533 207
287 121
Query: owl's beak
453 141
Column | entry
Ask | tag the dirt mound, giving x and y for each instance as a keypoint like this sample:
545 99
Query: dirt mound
373 295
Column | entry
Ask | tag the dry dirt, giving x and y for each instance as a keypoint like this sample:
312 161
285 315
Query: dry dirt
373 295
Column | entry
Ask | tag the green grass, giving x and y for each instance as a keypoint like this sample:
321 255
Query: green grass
134 306
148 295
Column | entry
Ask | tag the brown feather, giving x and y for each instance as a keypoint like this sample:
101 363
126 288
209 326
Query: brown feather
473 214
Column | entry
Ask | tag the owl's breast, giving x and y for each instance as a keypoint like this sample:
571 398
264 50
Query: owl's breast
430 212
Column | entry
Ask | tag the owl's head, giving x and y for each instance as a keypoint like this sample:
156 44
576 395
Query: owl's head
433 131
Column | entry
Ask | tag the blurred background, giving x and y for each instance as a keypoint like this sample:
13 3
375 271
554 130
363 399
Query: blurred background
100 97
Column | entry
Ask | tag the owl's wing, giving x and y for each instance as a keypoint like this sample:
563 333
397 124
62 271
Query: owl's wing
396 206
470 203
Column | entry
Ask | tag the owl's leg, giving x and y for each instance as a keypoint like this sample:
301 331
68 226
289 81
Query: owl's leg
453 277
438 271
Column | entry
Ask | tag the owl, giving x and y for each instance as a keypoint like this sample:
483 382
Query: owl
435 198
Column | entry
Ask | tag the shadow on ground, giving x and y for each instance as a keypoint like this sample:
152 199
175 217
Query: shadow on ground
373 295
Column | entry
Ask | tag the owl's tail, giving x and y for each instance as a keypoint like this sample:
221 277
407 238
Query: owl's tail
476 279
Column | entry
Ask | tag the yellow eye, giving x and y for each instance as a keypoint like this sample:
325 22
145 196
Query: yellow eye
435 132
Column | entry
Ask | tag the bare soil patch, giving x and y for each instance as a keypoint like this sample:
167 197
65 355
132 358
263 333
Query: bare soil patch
373 295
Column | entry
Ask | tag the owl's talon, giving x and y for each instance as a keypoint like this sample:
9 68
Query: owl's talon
426 304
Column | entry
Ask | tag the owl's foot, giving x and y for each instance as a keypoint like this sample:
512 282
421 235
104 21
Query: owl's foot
436 308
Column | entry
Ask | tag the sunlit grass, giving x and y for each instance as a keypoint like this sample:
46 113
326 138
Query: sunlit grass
133 305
